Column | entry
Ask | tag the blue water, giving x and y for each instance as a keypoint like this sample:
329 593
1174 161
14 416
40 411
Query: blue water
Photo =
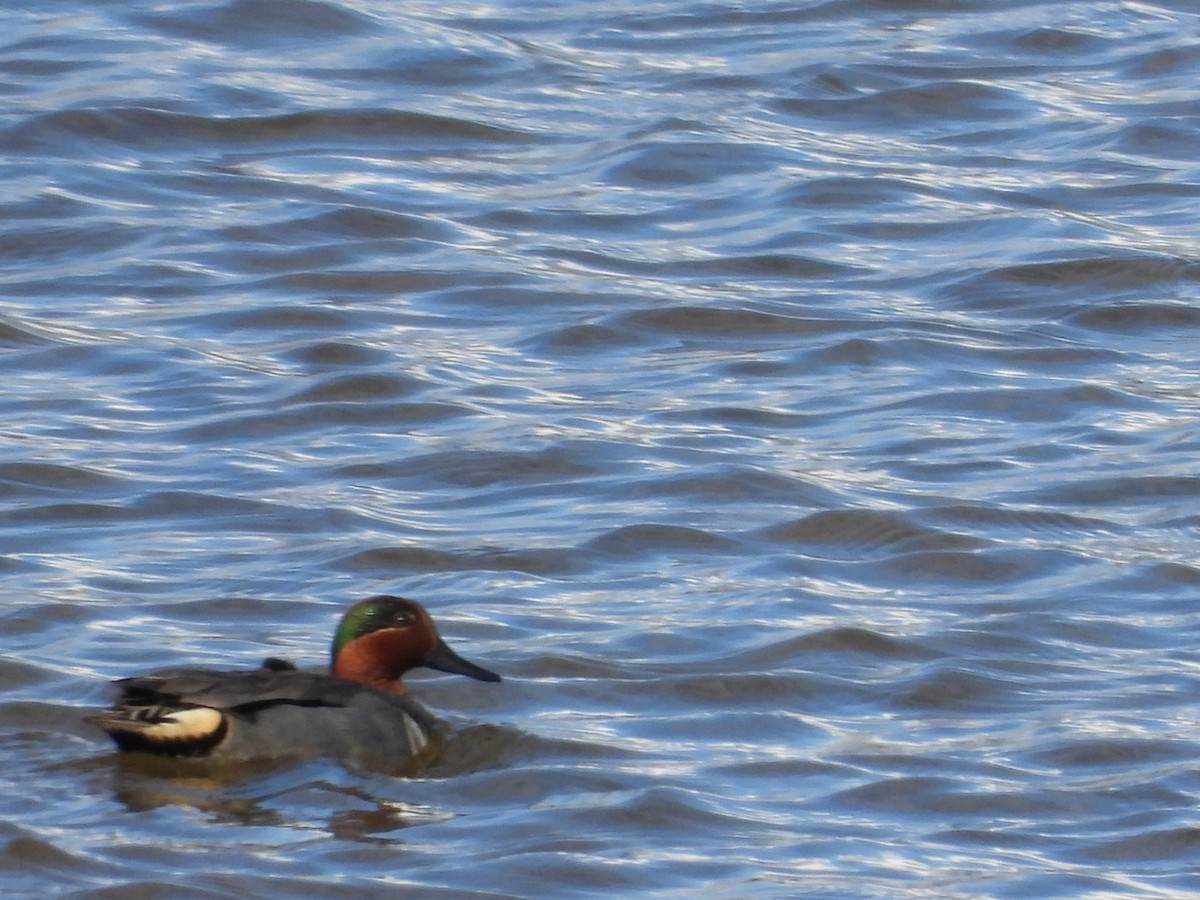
795 403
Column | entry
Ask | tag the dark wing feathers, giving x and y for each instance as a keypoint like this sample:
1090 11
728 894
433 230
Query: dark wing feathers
230 690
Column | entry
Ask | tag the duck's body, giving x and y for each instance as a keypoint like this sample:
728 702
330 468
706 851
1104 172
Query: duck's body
238 717
360 713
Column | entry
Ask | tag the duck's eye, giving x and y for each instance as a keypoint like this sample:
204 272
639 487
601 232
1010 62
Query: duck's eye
402 619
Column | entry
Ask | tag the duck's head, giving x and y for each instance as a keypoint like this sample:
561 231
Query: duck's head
381 638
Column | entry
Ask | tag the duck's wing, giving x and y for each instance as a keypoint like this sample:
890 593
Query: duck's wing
231 690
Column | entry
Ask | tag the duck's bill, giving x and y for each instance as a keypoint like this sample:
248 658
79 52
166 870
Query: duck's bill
446 660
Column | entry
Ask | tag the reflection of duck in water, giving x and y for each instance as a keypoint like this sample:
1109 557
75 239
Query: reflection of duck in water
359 712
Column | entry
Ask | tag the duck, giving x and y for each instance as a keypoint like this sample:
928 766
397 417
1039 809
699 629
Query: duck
359 711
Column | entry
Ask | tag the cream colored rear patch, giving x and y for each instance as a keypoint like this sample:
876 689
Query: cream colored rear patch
184 725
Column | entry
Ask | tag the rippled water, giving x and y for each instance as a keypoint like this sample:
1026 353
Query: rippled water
796 403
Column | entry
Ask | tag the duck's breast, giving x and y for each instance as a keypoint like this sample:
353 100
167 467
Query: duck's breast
368 726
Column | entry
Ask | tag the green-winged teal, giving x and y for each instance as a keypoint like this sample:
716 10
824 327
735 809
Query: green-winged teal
358 712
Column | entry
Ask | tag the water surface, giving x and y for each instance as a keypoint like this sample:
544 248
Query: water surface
795 403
